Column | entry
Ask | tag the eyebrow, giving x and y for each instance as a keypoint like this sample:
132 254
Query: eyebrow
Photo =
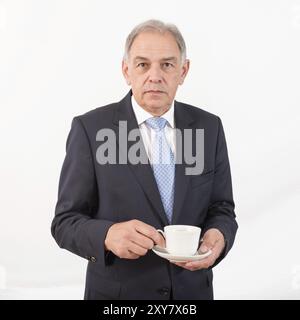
163 59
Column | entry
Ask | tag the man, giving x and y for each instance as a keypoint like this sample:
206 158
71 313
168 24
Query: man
108 211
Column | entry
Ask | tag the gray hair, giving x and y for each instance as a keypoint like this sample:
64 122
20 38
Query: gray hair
156 26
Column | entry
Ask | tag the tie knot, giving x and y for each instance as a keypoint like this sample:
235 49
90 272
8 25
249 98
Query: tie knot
156 123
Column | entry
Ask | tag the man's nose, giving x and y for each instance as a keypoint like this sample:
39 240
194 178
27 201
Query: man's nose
155 75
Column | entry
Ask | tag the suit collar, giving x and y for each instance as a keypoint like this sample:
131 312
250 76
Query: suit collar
125 111
142 115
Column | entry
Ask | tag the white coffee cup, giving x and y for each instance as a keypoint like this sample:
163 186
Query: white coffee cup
181 240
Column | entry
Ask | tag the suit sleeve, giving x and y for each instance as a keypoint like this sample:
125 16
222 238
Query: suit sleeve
221 213
73 226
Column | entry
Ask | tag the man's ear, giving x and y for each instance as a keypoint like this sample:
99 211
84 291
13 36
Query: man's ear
125 72
184 71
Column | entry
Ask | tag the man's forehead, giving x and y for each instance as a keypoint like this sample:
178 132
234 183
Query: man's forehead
145 58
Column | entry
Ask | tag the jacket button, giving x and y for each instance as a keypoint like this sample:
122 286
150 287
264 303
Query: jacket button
93 259
164 291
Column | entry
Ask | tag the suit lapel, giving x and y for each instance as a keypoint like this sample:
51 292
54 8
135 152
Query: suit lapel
183 120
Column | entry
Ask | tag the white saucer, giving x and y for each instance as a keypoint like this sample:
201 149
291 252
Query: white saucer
162 252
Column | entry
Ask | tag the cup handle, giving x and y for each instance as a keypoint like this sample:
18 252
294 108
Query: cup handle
161 232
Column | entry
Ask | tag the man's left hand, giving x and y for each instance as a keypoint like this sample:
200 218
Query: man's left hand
212 240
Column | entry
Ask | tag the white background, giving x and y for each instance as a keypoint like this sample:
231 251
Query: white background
59 59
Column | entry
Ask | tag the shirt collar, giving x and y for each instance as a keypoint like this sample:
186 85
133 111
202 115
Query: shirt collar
142 115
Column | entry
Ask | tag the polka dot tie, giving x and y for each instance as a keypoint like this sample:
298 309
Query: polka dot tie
163 164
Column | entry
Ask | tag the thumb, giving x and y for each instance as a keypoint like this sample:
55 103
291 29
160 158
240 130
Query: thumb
205 246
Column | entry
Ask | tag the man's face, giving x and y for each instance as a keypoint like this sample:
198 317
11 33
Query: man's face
154 70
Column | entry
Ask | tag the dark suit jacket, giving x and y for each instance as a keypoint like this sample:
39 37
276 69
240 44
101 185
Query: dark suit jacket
92 197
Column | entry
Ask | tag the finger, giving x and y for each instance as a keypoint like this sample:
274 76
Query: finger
199 264
161 242
196 265
179 264
215 250
211 238
136 249
142 240
202 264
207 244
219 246
131 255
149 232
127 254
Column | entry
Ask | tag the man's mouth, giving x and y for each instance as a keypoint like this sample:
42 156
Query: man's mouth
154 91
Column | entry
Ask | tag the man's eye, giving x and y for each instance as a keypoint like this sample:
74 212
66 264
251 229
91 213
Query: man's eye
142 64
168 64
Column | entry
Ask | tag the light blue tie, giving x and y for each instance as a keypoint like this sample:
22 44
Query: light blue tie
163 164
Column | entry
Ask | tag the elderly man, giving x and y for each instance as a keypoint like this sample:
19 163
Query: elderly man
109 211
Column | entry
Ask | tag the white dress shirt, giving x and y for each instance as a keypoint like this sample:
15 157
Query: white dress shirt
148 134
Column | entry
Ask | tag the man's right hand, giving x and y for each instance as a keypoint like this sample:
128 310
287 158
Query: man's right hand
132 239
